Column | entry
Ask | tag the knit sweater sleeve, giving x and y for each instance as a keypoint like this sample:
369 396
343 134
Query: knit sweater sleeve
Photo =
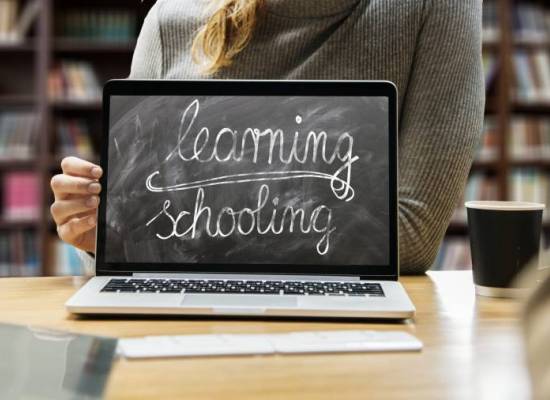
440 127
147 58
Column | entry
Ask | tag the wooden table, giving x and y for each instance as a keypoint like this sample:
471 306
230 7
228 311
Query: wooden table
472 349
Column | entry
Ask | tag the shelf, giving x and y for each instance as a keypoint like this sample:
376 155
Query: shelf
495 164
536 107
537 163
64 45
17 164
6 224
532 44
490 45
485 164
26 46
490 40
17 99
69 105
457 228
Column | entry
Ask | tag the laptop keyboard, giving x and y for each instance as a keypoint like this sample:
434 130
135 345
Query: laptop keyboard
295 288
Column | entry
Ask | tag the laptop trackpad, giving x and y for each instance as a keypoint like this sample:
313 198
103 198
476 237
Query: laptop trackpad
220 301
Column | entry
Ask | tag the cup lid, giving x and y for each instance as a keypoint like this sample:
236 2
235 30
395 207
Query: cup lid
505 205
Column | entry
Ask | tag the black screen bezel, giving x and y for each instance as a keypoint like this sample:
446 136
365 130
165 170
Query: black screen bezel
253 88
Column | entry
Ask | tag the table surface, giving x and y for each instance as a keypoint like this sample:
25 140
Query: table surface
472 349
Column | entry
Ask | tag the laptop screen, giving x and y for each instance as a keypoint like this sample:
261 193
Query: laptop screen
206 180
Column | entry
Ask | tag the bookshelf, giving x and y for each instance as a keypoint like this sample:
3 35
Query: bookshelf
98 33
520 166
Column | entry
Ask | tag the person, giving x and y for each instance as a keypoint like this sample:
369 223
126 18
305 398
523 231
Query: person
430 49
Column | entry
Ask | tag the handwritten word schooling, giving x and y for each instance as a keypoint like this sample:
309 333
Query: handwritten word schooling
247 220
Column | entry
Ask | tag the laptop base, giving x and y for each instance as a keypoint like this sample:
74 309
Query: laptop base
395 304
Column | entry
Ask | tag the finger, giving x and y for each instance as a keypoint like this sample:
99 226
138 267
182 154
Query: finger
65 185
77 167
92 213
71 231
62 210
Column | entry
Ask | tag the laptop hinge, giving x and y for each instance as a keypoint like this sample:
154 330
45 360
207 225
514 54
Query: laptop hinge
246 277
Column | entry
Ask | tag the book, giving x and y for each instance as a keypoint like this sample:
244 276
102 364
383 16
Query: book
20 196
529 184
479 187
529 138
525 85
73 138
490 68
28 16
8 14
490 31
15 23
18 138
454 254
108 25
531 22
532 75
489 145
541 65
74 81
19 253
65 258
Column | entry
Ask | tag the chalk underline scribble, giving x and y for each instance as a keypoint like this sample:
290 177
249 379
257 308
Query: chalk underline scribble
342 189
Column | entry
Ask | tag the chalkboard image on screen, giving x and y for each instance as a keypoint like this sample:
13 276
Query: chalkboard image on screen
248 179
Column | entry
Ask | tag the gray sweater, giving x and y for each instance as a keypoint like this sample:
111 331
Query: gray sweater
431 49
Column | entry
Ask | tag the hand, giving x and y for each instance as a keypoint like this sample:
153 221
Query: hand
74 210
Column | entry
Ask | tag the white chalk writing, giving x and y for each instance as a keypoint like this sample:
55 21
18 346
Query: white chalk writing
271 147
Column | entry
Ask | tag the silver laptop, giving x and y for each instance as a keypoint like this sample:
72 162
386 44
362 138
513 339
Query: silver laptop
248 198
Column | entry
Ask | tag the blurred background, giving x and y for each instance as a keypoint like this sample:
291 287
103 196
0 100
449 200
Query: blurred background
55 56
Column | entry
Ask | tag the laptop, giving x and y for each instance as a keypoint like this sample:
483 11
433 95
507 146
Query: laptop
248 198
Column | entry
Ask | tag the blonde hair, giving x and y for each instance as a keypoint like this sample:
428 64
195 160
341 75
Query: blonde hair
225 34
